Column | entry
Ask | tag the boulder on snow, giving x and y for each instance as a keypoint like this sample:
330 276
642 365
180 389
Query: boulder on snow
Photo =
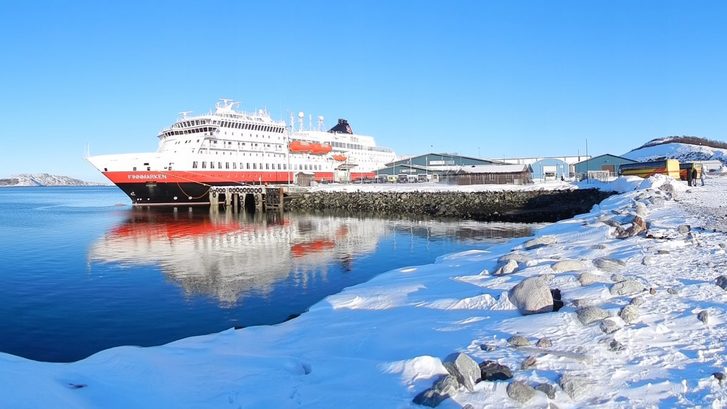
532 296
544 342
575 386
609 326
703 316
629 313
547 389
528 363
539 242
508 268
518 257
722 282
610 265
518 341
568 265
627 287
684 228
492 371
589 278
520 391
444 388
588 315
464 368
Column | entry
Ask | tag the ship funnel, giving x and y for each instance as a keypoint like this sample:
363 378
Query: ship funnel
342 127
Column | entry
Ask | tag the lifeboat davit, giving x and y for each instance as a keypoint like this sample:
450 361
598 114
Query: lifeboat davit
339 157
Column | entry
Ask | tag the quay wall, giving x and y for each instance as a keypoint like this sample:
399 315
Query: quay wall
505 206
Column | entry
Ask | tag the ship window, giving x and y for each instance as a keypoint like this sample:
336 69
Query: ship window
261 166
227 165
134 168
204 164
285 167
148 168
247 166
212 165
234 165
254 165
267 166
279 166
194 165
219 165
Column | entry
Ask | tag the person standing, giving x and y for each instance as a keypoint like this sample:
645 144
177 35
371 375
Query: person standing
689 177
701 175
694 176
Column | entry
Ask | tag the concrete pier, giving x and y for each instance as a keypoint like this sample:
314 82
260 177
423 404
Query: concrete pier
247 198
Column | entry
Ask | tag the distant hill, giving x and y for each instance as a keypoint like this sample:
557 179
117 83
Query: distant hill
683 148
43 179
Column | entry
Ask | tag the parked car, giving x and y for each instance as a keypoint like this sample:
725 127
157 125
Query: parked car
402 178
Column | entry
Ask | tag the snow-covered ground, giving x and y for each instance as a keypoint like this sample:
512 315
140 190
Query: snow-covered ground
379 344
437 187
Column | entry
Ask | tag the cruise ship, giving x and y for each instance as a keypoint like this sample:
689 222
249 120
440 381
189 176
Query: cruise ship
230 147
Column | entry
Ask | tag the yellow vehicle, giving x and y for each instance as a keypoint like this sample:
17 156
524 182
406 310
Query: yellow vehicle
668 167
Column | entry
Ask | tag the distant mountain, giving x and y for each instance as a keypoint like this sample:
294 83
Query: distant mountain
683 148
43 179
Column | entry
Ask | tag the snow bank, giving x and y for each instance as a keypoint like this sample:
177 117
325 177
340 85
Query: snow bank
381 343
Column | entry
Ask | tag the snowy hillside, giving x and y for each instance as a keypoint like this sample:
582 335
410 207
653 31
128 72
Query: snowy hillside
681 151
43 179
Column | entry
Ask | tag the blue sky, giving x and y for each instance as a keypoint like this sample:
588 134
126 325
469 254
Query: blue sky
502 78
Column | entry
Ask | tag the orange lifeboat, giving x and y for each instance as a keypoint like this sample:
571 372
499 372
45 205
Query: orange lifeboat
339 157
299 147
320 148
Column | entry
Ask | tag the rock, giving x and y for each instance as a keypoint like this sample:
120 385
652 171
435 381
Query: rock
616 277
637 301
672 291
547 389
557 299
517 257
444 388
568 265
662 252
627 287
648 260
640 209
703 316
589 278
510 267
575 386
539 242
652 291
492 371
520 391
722 282
464 368
544 342
719 376
488 347
609 265
609 326
589 315
532 296
684 229
599 247
616 346
518 341
529 362
629 314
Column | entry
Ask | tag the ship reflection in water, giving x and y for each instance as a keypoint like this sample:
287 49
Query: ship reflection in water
230 256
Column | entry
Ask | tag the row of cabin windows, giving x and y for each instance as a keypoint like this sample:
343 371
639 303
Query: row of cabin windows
252 127
230 124
255 166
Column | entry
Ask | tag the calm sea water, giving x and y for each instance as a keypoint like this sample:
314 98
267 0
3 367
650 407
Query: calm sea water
82 271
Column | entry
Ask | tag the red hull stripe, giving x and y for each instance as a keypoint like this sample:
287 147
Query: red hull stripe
207 177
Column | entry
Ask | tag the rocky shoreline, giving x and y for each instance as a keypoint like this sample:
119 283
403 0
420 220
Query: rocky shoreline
504 206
